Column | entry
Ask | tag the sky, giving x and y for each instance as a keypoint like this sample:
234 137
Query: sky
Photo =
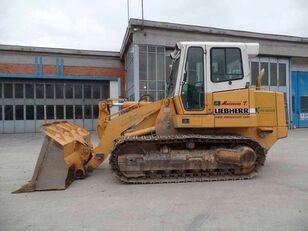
101 24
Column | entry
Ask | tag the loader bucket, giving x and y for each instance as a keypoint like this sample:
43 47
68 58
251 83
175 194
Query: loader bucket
65 151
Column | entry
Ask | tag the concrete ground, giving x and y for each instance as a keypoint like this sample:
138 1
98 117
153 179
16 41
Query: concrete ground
275 200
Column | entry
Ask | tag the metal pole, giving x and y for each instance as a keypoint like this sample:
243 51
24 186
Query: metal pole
142 14
142 9
128 10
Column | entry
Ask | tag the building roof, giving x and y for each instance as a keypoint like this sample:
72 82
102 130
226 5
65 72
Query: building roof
63 51
136 24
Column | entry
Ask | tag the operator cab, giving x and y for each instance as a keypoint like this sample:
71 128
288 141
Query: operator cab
203 67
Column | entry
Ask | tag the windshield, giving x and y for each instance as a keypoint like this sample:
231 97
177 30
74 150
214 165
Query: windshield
172 77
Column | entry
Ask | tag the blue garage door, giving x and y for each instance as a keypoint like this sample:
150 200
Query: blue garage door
300 99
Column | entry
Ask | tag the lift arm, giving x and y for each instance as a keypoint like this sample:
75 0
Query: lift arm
110 128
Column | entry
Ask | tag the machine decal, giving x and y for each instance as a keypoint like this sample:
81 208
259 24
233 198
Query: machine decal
230 103
265 109
232 107
234 103
231 111
232 117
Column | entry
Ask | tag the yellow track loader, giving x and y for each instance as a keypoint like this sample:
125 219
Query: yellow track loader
212 125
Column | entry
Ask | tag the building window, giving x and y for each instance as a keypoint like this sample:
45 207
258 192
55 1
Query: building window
29 112
96 92
19 112
8 112
59 112
19 91
78 112
282 74
59 91
105 90
254 72
8 90
95 111
87 112
275 72
68 91
129 67
152 71
69 113
39 91
40 115
49 91
78 91
87 91
264 65
29 91
50 112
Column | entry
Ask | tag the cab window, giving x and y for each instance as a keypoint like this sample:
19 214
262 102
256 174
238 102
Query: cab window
226 64
193 80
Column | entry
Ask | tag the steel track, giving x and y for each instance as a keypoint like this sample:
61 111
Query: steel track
210 175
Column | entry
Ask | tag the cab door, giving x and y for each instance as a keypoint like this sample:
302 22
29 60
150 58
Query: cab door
193 81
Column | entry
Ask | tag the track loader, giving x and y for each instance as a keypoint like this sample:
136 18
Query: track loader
212 125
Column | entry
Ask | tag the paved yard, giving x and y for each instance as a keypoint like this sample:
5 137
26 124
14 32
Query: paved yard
275 200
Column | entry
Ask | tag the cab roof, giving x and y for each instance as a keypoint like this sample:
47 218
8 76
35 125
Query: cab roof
252 49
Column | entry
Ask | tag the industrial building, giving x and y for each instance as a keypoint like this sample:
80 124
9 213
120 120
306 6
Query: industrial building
39 85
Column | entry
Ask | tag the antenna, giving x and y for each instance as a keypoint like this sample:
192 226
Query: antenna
142 14
128 10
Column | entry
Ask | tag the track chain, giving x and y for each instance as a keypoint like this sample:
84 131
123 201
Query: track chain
220 175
